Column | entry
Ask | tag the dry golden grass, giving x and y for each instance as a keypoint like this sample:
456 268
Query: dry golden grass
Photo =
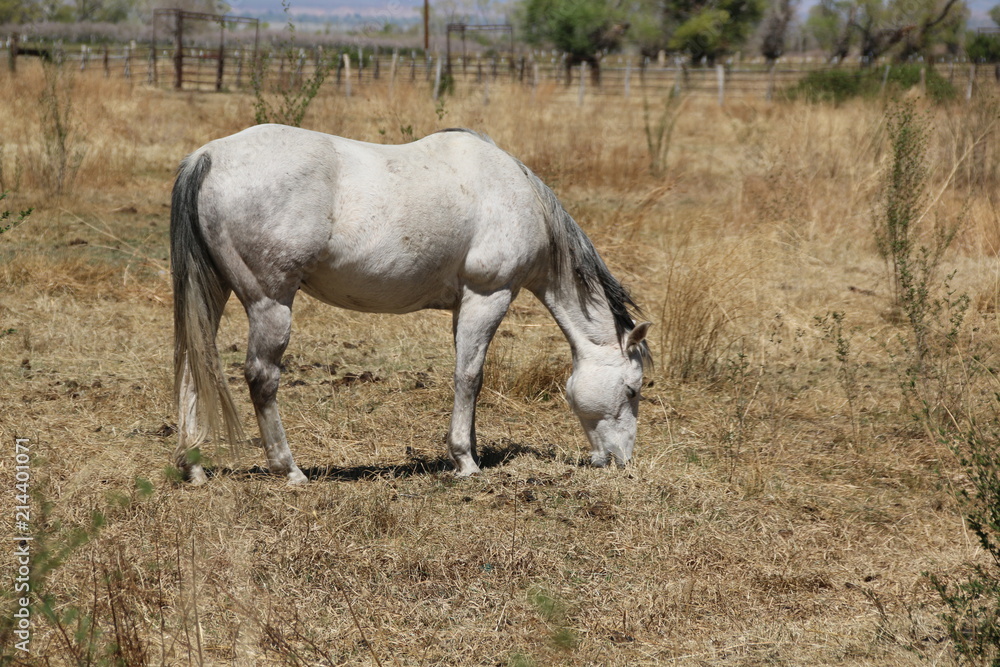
761 523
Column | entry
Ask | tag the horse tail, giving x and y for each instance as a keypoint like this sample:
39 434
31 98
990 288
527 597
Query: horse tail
200 294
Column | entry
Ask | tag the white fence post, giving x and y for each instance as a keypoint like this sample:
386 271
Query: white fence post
720 75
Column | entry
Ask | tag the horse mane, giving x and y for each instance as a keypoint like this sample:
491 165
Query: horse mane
574 252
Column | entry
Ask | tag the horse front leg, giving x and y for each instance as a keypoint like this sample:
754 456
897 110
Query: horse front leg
270 329
474 323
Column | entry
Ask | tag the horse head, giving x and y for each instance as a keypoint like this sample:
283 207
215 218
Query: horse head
604 392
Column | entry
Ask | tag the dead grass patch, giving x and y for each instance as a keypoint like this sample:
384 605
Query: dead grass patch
757 524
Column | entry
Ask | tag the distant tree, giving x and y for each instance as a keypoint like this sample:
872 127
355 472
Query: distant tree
647 30
19 11
830 23
105 11
775 28
910 27
585 30
984 47
935 23
709 29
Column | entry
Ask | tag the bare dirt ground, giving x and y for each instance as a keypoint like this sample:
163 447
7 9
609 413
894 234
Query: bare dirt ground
784 506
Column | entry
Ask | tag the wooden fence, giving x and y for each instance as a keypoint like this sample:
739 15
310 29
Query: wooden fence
620 76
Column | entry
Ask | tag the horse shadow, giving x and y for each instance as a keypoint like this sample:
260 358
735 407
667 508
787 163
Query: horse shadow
491 455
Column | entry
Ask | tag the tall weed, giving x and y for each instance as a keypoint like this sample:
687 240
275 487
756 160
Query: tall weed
63 143
290 96
659 133
702 296
972 619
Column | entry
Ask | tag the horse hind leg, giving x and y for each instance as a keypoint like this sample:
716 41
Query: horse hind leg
270 329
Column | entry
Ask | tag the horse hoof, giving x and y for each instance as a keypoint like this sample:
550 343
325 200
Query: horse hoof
296 477
196 476
467 470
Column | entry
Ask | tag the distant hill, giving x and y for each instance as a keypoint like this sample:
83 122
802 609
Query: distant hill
405 10
402 8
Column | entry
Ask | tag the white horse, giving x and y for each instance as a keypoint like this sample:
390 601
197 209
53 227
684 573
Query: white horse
449 222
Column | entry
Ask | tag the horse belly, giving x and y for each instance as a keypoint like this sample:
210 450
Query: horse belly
387 291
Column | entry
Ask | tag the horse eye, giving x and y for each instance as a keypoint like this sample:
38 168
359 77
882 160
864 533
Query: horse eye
630 392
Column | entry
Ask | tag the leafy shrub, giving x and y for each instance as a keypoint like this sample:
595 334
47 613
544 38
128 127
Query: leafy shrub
972 618
839 85
7 219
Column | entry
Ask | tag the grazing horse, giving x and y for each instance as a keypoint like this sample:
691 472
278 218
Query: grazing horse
449 222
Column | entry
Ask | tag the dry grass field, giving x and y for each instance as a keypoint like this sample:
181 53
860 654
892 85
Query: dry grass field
786 501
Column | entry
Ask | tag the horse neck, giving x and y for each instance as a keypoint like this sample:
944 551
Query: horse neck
585 319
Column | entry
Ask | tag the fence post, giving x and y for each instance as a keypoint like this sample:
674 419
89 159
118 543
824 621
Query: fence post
720 75
221 69
128 62
107 62
437 78
583 83
972 81
885 81
392 69
628 77
347 75
12 54
153 73
178 53
770 80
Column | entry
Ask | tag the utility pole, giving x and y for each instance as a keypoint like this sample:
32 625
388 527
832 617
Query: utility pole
427 21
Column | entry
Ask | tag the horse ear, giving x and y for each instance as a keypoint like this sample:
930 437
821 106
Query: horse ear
637 335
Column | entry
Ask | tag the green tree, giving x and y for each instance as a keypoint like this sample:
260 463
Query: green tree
830 23
19 11
583 29
775 27
706 30
908 28
984 47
